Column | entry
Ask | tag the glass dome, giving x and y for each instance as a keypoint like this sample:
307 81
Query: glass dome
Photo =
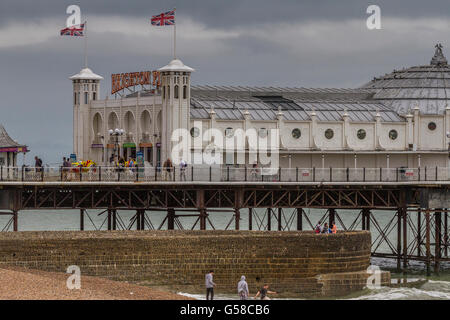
426 87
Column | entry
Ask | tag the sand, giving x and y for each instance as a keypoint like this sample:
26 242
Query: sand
26 284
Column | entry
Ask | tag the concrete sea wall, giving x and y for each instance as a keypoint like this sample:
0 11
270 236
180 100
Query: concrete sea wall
300 263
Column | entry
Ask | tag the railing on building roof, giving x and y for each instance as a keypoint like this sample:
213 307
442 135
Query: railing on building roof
222 174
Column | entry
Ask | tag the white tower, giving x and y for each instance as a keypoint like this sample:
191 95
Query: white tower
176 96
86 88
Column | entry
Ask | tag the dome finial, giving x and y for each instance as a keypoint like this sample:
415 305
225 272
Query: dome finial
438 58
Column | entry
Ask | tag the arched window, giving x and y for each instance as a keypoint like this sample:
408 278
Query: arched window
176 92
184 92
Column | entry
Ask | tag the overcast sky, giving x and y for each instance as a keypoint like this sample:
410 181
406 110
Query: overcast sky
301 43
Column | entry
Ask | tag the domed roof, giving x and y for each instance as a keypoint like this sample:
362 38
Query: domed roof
86 74
426 87
176 65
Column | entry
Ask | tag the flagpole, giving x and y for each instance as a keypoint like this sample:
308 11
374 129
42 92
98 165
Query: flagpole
174 35
85 45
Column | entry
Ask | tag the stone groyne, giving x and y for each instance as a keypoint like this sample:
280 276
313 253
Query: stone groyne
302 264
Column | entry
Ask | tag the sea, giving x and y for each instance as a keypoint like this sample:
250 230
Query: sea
410 285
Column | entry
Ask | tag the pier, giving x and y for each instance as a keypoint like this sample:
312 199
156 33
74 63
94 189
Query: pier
418 198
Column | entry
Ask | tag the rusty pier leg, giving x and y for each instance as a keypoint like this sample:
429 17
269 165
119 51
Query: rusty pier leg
437 236
446 232
15 220
331 216
399 239
109 219
419 233
171 219
269 219
201 209
140 219
404 213
250 218
238 194
299 219
427 235
280 213
81 219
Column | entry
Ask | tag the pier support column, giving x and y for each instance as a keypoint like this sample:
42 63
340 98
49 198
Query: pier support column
238 195
280 213
250 218
81 219
201 209
109 219
140 219
419 232
114 219
427 234
399 238
170 219
331 216
437 236
299 219
269 219
15 221
405 238
446 233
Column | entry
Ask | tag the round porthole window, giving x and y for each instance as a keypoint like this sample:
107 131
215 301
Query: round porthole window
195 132
228 132
296 133
361 134
432 126
262 132
329 134
393 134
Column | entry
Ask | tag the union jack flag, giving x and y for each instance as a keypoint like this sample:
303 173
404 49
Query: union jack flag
74 31
164 19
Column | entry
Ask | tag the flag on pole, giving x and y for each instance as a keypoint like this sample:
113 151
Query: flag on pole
74 31
164 19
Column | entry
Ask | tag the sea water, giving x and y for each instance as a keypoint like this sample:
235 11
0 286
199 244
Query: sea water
410 286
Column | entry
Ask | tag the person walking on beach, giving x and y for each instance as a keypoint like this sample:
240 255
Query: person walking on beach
263 292
243 289
209 285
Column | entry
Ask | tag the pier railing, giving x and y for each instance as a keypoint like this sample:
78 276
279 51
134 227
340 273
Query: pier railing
222 174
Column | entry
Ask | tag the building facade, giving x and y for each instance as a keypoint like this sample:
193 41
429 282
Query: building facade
9 149
401 119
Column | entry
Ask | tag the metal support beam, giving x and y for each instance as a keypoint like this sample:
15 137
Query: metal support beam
280 211
446 233
419 233
15 221
399 238
437 245
299 219
250 218
269 219
427 235
171 219
331 216
81 219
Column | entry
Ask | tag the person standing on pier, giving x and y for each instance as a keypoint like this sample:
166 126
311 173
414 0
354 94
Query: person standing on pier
334 228
243 289
38 164
209 285
183 166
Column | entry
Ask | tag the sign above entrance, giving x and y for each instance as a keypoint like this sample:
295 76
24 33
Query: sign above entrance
121 81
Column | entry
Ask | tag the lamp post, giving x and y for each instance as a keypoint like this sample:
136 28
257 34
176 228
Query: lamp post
116 134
